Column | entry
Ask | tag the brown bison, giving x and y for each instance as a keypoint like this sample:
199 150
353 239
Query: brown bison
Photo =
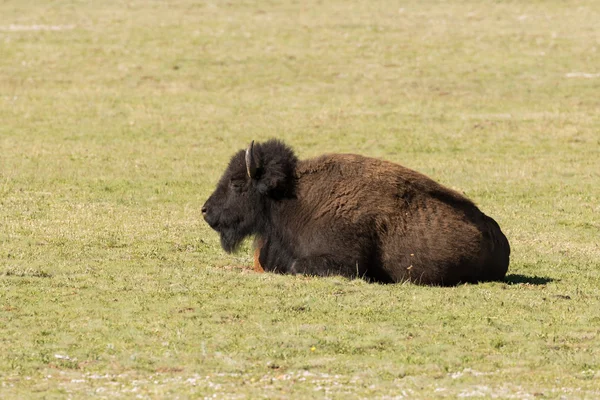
349 215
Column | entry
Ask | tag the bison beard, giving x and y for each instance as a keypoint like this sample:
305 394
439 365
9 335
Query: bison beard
349 215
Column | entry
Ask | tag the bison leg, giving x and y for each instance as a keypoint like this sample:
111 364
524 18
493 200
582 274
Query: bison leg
256 266
258 245
325 266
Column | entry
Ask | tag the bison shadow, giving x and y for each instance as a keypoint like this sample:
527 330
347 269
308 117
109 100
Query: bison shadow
515 279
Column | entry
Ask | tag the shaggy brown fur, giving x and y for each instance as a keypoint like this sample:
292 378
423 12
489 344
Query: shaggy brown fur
354 216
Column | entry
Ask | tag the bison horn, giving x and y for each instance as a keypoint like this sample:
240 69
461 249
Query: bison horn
251 165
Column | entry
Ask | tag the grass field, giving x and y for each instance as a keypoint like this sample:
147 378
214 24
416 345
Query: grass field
117 119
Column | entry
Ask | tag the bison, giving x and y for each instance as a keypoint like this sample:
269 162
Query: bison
354 216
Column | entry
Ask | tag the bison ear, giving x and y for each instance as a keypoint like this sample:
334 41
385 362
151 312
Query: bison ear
251 161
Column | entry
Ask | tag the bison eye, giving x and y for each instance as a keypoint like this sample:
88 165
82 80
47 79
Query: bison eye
237 185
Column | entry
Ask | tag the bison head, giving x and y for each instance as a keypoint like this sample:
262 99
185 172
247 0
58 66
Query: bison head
239 206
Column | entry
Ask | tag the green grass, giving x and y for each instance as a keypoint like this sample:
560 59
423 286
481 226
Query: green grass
116 124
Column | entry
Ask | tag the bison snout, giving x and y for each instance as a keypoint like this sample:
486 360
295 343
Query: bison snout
209 216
